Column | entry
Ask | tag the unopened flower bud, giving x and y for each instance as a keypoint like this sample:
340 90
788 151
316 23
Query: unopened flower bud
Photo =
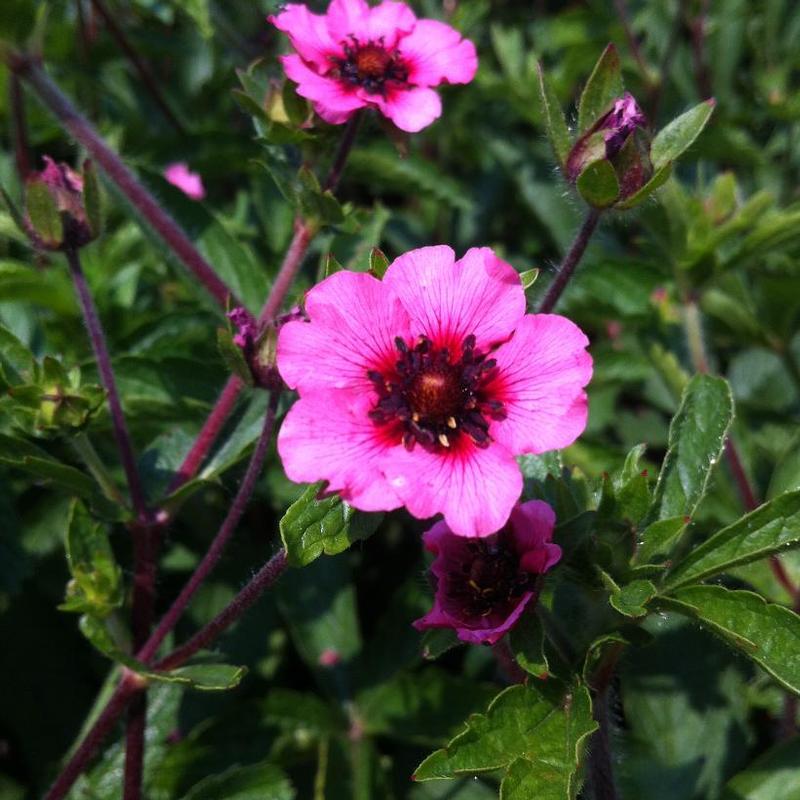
62 208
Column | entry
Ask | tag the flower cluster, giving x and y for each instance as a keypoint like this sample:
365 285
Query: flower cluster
383 57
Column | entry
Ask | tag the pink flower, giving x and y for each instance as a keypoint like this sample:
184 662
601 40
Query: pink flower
484 585
623 119
190 183
420 390
382 57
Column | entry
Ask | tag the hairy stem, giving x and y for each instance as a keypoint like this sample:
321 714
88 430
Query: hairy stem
148 81
100 349
601 764
571 259
214 553
243 601
343 152
141 199
303 234
135 727
115 708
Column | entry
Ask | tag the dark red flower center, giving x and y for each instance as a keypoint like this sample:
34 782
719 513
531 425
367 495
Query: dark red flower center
433 399
371 66
489 580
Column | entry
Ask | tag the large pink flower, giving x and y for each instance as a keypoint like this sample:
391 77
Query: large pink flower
419 390
383 57
484 585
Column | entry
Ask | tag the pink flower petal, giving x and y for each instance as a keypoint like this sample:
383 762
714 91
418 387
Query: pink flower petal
532 526
391 21
328 436
436 53
354 322
411 109
347 18
541 374
434 537
308 34
332 100
475 489
190 183
448 300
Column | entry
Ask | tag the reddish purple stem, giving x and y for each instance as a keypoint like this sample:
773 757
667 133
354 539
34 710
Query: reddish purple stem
161 222
104 724
98 341
214 553
243 601
571 260
134 748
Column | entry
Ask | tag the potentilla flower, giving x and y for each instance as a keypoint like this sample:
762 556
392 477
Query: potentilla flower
419 390
383 57
190 183
484 585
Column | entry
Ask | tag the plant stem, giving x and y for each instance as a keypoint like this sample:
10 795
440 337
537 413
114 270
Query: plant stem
134 748
95 330
633 44
601 766
243 601
147 79
211 558
20 127
343 152
141 199
571 259
85 449
80 759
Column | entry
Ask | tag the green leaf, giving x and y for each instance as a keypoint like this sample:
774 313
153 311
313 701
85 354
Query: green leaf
631 600
17 364
233 356
528 278
437 641
312 526
773 775
676 137
43 213
658 538
526 641
598 184
301 711
770 529
96 577
696 439
378 263
91 199
554 121
538 735
602 89
768 634
203 677
254 782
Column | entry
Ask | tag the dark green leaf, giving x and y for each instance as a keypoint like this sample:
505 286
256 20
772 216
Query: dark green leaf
295 711
602 89
769 634
658 538
539 735
233 356
631 599
437 641
598 184
43 213
312 526
378 263
256 782
555 123
696 439
772 528
204 677
526 641
773 775
676 137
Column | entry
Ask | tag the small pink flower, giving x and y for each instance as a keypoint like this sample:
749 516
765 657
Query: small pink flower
382 57
484 585
419 390
190 183
329 657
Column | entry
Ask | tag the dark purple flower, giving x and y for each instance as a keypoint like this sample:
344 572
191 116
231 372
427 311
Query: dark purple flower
483 585
623 119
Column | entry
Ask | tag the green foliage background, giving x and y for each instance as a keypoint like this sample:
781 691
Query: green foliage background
715 256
